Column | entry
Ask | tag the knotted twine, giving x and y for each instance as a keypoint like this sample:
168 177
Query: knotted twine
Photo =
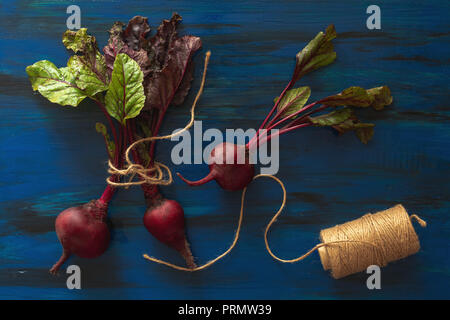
377 238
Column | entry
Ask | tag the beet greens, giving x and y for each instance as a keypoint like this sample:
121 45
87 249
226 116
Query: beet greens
133 83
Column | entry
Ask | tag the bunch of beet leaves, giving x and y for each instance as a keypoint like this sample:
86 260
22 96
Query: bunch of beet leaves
134 82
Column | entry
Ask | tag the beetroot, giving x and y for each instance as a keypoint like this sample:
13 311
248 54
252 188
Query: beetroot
133 83
229 165
164 219
82 231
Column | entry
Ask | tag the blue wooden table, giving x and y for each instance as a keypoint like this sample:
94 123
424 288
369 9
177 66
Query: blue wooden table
51 157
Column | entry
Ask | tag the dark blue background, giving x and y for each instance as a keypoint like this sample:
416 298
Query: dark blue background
51 157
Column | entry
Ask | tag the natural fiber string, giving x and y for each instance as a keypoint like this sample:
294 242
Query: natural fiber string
380 255
155 174
274 218
236 235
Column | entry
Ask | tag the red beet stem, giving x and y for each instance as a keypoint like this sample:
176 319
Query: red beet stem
209 177
276 104
304 117
309 106
282 131
151 194
107 195
130 142
150 190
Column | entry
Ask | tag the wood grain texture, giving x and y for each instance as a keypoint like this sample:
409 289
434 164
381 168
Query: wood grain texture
51 157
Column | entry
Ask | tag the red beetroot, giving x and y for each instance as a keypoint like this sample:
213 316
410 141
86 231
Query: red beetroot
82 230
229 166
164 219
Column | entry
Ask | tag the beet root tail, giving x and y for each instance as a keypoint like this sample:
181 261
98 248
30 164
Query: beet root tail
65 255
206 179
187 255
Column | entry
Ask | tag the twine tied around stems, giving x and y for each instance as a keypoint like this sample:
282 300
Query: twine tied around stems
159 173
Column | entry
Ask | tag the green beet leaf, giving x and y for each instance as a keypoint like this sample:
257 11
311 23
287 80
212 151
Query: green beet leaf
87 52
377 98
65 86
344 120
353 96
333 118
293 100
381 97
318 53
364 131
125 97
57 85
86 79
79 41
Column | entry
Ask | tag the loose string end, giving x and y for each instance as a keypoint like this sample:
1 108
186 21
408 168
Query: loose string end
420 221
173 266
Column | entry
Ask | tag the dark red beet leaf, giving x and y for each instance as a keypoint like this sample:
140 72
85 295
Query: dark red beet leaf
165 58
116 44
136 32
159 44
163 85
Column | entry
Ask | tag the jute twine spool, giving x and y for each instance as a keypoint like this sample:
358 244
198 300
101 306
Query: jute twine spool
373 239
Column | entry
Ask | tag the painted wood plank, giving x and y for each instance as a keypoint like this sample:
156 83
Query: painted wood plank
51 158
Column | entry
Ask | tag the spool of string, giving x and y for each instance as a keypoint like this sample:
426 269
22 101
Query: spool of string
373 239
